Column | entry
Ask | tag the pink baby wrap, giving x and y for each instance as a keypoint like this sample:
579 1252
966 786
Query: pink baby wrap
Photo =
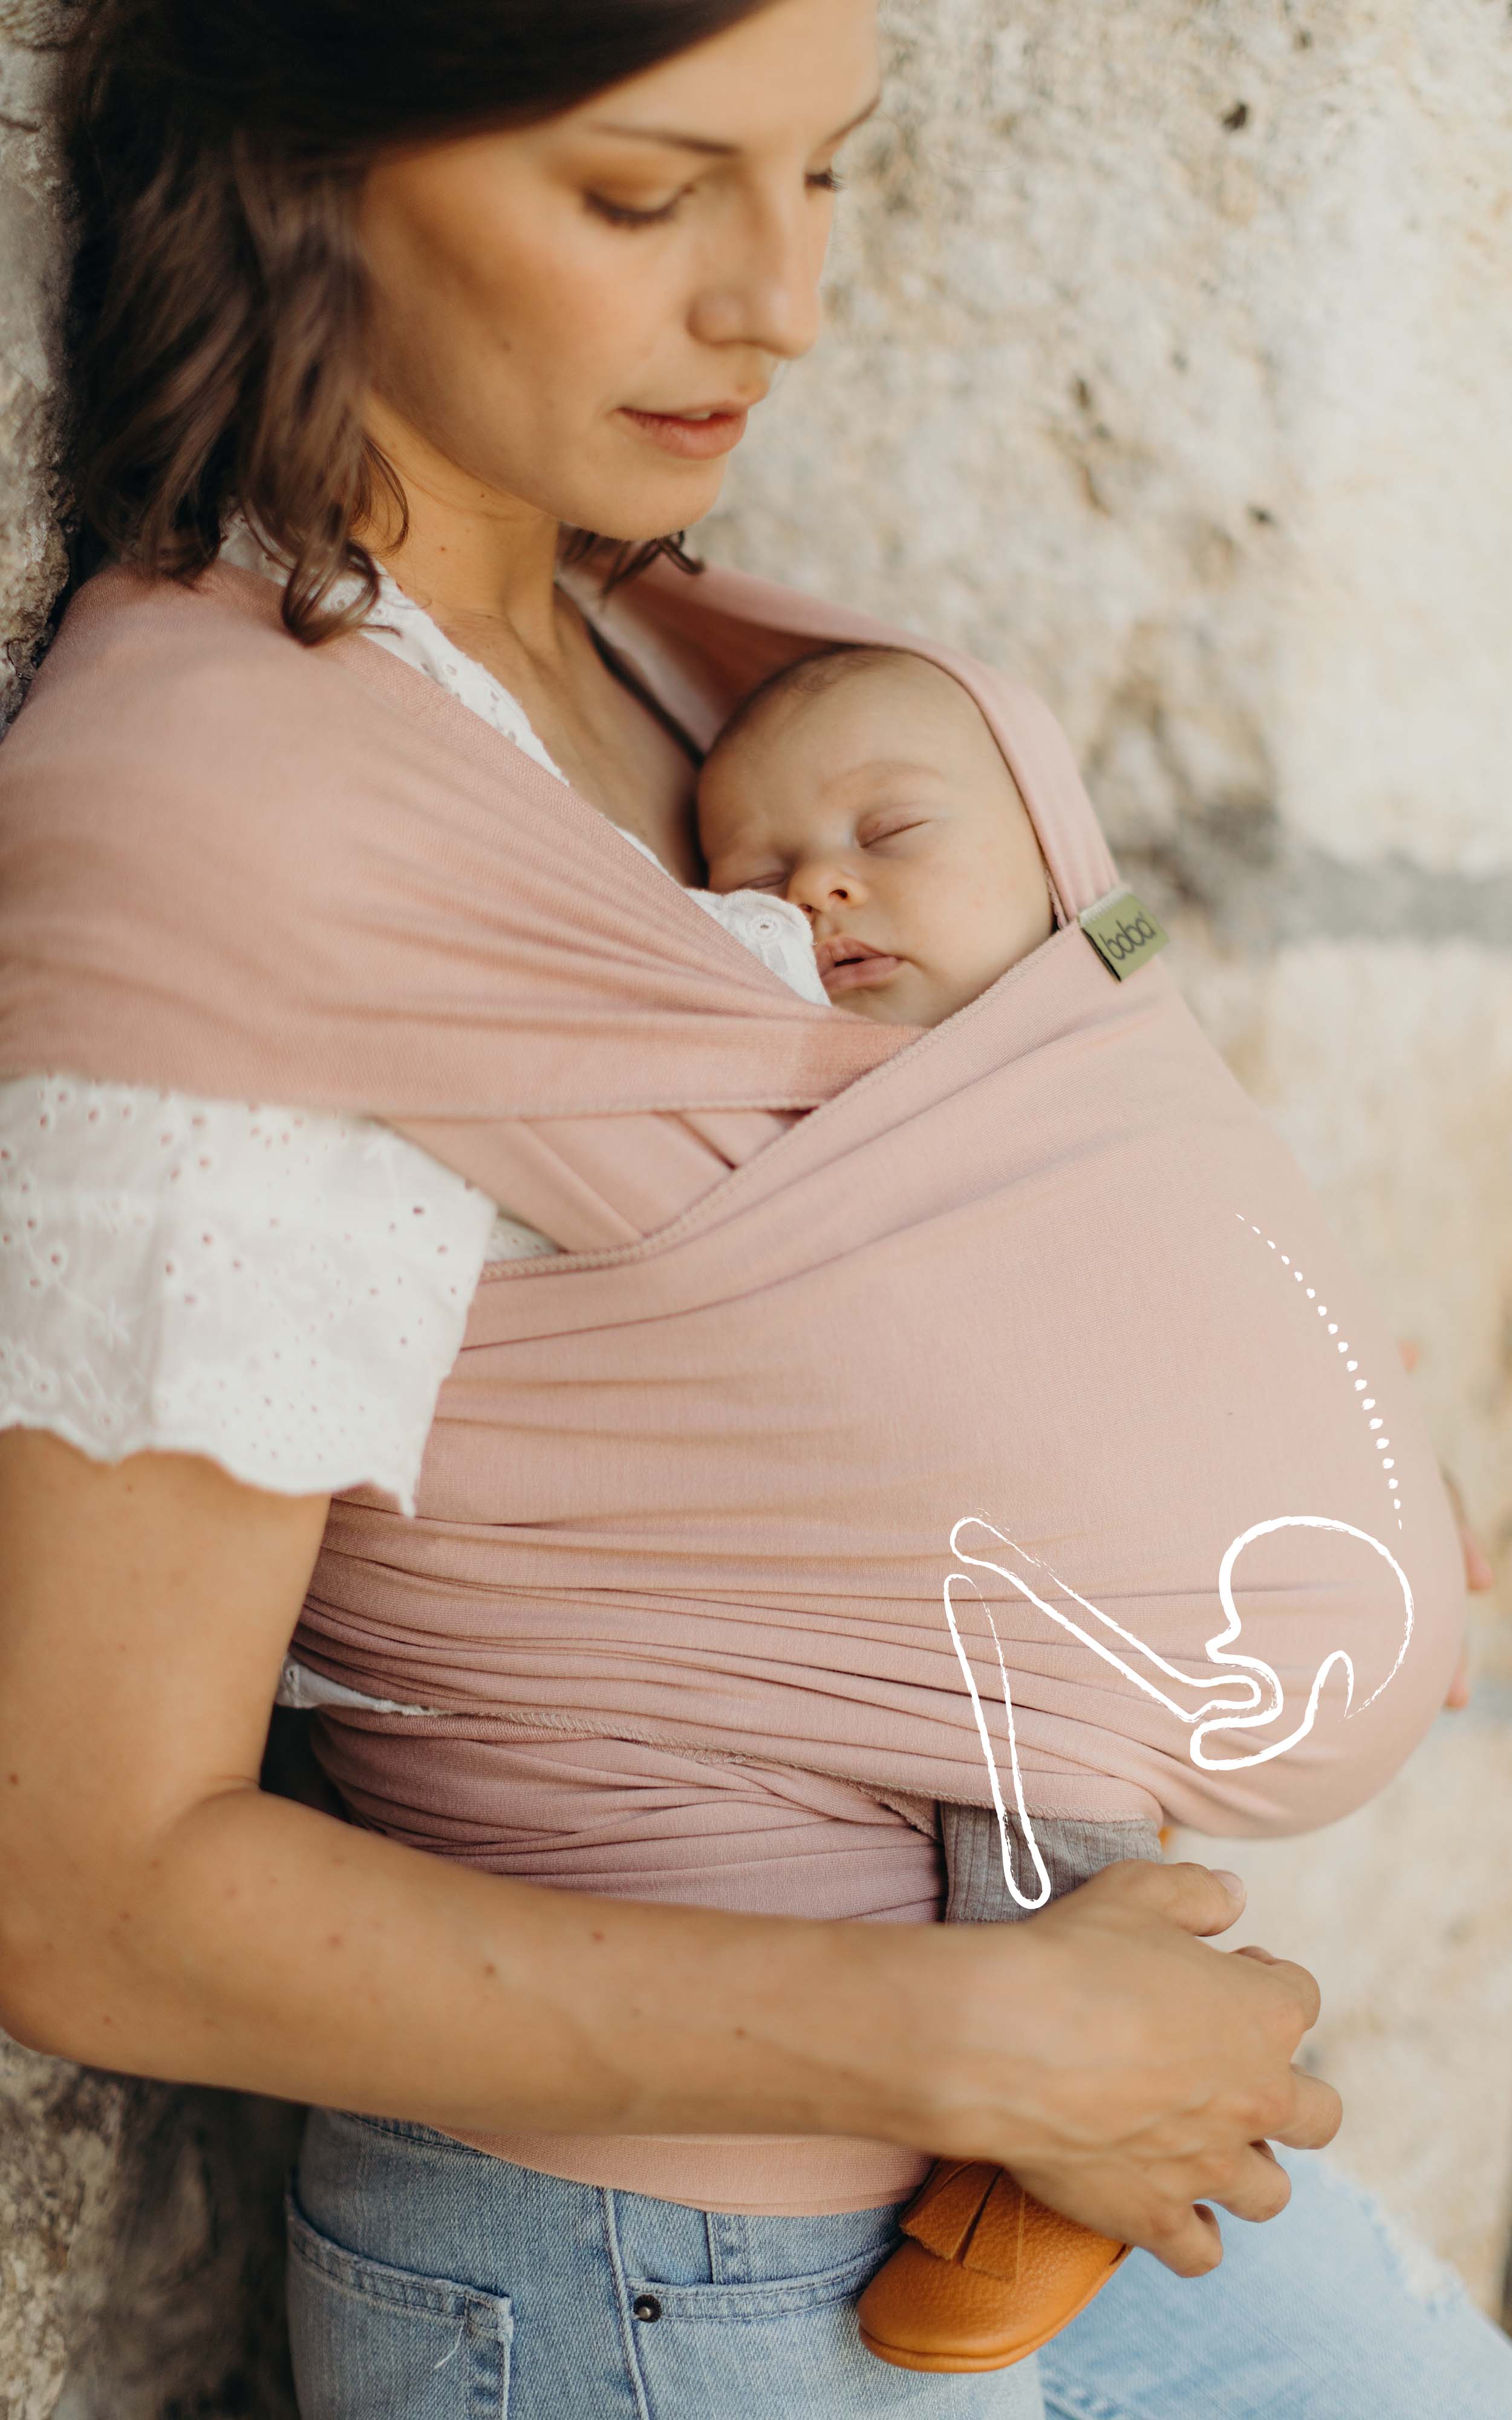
680 1585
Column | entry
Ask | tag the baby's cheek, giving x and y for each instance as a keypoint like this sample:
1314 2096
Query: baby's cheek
995 954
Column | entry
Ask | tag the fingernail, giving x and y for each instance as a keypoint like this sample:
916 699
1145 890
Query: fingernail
1230 1883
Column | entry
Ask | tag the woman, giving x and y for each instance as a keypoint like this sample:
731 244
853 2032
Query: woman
438 299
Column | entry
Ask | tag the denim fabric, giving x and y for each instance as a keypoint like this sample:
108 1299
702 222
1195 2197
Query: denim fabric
431 2282
428 2281
1329 2312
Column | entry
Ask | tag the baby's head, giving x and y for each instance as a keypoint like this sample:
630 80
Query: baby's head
864 785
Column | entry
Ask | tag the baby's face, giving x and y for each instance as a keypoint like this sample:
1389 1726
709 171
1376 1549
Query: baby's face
883 808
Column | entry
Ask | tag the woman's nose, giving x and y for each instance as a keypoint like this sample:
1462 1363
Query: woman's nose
766 291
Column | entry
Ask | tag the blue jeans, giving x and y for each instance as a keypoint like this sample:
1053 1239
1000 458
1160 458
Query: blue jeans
1329 2312
428 2281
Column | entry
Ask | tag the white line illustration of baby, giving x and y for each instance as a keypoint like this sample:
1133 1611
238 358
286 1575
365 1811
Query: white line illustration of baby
1262 1700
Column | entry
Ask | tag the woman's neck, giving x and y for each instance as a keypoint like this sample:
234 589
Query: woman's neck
483 566
471 556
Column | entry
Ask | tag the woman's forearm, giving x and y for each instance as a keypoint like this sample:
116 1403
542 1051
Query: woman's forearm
160 1914
1119 2065
259 1944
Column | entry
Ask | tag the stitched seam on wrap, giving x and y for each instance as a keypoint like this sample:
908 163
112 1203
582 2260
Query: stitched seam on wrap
542 1730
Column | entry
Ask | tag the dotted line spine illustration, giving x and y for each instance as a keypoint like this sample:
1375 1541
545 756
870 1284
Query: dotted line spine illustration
1360 1386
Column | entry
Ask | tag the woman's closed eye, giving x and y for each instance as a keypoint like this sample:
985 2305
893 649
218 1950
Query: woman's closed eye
621 214
822 180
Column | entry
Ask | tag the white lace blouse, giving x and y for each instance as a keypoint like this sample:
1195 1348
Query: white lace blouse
279 1289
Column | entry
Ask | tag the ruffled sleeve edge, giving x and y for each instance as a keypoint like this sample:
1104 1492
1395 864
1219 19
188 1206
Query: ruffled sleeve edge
299 1479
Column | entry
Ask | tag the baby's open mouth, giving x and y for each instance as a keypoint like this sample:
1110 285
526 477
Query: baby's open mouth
844 962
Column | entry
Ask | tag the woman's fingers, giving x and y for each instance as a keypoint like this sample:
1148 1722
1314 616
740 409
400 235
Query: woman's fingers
1202 1899
1205 1900
1300 1986
1479 1572
1261 2187
1186 2240
1317 2114
1479 1576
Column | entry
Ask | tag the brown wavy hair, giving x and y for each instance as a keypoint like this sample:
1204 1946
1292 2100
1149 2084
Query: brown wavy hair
218 309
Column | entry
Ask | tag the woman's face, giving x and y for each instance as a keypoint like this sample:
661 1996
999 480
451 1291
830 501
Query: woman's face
558 309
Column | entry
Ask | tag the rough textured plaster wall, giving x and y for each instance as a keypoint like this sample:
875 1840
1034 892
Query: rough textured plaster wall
141 2252
141 2248
1169 365
32 254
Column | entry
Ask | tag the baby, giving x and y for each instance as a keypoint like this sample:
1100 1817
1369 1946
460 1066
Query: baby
863 787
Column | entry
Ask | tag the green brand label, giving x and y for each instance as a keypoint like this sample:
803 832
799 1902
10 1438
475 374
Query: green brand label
1123 932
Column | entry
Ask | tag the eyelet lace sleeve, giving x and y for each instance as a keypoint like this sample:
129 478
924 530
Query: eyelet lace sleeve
280 1290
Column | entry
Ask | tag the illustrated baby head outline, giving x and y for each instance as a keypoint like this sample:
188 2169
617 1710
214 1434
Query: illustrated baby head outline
1264 1695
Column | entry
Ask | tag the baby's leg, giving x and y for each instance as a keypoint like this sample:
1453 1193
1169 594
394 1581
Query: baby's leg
985 2274
1072 1852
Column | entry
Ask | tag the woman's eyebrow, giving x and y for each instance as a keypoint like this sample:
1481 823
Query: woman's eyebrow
666 137
671 139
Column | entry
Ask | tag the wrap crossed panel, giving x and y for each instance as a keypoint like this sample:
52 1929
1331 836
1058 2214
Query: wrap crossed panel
1017 1324
1003 1269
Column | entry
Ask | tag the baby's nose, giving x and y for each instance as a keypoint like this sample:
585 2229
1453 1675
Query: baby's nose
824 884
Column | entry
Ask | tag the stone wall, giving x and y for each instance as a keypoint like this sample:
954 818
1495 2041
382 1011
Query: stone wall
141 2248
1170 365
33 249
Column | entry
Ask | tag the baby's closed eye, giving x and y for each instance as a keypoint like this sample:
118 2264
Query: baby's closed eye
871 834
893 829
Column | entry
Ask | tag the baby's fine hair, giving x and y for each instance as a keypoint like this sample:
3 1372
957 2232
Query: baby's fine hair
811 676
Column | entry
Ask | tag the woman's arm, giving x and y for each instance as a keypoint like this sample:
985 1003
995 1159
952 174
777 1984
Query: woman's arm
163 1916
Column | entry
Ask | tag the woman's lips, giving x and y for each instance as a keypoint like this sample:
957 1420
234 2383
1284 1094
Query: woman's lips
696 439
845 963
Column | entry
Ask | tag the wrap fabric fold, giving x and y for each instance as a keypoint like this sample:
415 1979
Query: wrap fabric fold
890 1379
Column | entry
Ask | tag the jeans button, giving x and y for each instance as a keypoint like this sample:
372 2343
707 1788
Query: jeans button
646 2306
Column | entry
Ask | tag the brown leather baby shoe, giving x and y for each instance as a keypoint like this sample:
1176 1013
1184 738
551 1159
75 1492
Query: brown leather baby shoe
985 2273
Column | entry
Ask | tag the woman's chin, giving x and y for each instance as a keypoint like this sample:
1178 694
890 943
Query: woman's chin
634 512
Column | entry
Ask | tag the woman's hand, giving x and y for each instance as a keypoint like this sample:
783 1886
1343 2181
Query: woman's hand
1120 2067
1480 1574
